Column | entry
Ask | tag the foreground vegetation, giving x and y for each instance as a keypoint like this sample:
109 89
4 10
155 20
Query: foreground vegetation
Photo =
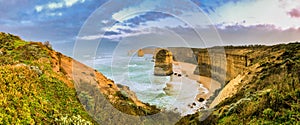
31 92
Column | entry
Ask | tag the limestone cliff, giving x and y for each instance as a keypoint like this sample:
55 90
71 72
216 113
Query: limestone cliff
221 64
265 91
163 63
183 54
217 63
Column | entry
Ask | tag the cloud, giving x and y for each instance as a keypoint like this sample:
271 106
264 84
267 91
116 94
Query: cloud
70 3
251 13
114 36
117 32
39 8
145 17
140 26
57 5
133 11
53 6
294 13
105 21
55 14
138 8
262 34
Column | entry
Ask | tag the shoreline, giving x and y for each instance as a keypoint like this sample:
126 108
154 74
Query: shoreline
188 69
190 90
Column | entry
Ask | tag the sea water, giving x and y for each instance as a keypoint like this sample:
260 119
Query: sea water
138 74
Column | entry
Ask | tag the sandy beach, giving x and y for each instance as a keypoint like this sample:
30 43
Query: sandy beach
191 91
188 69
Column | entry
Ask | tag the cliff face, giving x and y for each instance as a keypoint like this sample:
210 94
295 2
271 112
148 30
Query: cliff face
217 64
212 62
183 54
163 63
266 92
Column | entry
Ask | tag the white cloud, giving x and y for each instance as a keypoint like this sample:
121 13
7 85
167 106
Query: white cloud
39 8
131 12
55 14
57 5
114 37
70 3
260 12
105 21
53 6
117 28
145 27
176 7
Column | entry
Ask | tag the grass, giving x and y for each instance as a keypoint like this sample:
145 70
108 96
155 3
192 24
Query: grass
28 97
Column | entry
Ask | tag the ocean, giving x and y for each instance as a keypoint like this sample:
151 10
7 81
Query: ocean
137 73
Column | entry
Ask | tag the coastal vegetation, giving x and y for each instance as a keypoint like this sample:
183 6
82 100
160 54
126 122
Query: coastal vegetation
31 92
37 87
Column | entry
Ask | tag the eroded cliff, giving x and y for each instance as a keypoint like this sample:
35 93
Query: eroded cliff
266 93
163 63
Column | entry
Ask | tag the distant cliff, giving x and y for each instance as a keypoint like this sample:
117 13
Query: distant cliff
213 62
261 83
265 91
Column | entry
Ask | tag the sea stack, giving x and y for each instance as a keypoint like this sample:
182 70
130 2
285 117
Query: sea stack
163 63
140 53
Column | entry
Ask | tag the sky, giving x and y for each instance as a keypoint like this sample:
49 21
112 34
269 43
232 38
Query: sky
219 22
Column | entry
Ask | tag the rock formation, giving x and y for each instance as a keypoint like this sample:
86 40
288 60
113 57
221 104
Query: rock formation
163 63
264 87
140 53
221 66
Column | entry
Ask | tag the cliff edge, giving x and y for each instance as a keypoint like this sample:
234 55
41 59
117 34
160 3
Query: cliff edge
266 92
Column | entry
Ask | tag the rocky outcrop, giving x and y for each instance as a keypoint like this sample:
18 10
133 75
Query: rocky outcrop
145 51
140 53
163 63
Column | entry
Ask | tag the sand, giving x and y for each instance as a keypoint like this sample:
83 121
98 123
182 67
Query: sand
207 82
188 88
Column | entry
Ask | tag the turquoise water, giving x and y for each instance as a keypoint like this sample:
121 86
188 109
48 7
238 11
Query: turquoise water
137 73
